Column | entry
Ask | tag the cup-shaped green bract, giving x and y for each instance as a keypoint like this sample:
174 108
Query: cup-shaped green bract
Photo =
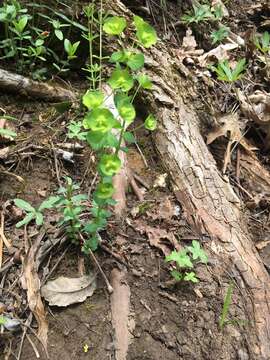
126 110
109 164
114 25
150 122
93 99
121 79
100 120
104 191
145 33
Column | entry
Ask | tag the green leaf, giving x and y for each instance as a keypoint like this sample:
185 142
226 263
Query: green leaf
39 218
93 99
3 320
150 122
30 216
129 137
145 33
7 133
126 109
144 81
96 139
181 258
176 275
49 203
191 276
197 252
59 34
118 56
135 61
240 67
121 79
24 205
104 191
109 164
114 25
100 120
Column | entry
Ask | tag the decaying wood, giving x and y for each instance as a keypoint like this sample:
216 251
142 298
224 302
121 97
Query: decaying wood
209 201
14 83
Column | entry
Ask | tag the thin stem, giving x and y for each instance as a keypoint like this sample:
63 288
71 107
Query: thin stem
136 92
100 42
120 138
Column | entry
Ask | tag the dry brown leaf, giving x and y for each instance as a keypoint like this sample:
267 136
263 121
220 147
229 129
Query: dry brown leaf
165 210
32 285
65 291
160 238
221 52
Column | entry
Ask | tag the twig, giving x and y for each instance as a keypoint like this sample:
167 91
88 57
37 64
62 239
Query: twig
92 184
135 188
2 235
109 287
141 153
116 256
140 180
56 165
56 264
33 346
28 322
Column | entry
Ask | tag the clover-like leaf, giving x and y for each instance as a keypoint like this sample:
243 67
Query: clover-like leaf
104 190
145 33
93 99
100 120
150 122
109 164
181 258
176 275
191 276
114 25
135 61
197 252
121 79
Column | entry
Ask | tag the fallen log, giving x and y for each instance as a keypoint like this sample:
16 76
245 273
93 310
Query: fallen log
18 84
209 201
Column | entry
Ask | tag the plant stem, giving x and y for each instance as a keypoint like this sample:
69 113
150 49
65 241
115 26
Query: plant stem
100 42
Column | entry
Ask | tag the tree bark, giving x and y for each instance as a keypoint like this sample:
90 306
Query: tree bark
21 85
209 201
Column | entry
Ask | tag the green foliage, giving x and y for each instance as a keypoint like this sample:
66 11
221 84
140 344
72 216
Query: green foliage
114 25
7 133
70 48
203 13
185 259
220 34
32 213
145 33
150 122
262 43
226 73
226 306
74 131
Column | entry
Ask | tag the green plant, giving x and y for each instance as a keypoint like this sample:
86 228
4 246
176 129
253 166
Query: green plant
186 259
219 35
32 213
226 73
262 43
226 305
70 206
202 13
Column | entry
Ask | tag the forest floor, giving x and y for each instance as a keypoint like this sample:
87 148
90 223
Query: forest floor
166 320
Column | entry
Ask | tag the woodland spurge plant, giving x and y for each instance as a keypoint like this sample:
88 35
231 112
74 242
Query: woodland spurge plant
109 114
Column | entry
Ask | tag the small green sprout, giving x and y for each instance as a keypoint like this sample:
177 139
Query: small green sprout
203 13
226 306
262 43
71 49
185 259
226 73
220 34
32 213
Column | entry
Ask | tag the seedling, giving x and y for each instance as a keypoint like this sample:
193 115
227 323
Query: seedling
203 13
226 73
186 259
220 34
32 213
226 305
262 43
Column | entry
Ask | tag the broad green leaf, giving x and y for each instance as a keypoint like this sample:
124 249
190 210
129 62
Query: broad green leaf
135 61
266 41
93 99
59 34
109 164
104 190
181 258
126 110
7 133
114 25
49 203
240 67
30 216
145 33
176 275
150 122
118 56
121 79
24 205
197 252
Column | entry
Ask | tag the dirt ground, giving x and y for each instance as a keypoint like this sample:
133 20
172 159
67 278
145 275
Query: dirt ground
169 320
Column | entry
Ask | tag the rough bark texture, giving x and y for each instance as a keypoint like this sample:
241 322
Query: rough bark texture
21 85
209 201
